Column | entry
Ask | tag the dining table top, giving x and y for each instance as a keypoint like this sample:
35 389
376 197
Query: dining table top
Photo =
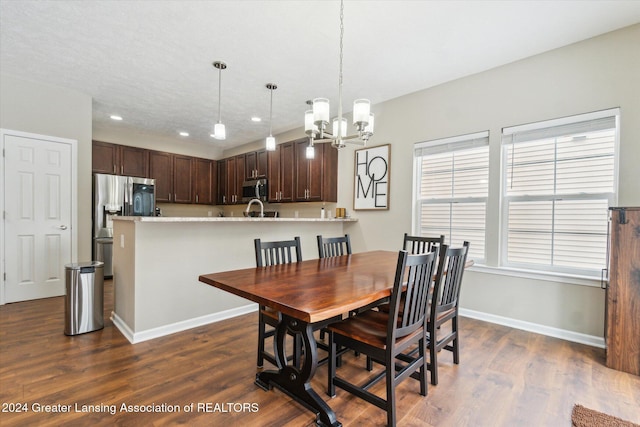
314 290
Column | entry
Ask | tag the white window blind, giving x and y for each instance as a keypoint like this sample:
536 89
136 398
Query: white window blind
558 181
451 188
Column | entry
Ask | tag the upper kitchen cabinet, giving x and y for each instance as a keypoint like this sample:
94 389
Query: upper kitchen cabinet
205 179
231 175
174 176
317 178
183 179
280 173
161 169
221 190
256 164
119 159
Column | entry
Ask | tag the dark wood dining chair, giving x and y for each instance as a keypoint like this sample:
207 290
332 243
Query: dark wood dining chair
416 245
388 337
444 307
274 253
333 246
421 244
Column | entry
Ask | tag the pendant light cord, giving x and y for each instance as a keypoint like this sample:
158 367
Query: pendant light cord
339 128
271 111
219 95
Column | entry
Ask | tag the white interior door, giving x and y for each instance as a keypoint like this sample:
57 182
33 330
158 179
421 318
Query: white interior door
38 216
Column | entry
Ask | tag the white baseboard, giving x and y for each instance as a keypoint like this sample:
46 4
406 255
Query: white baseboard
564 334
136 337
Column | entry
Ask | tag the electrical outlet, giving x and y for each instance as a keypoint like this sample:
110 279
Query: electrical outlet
122 240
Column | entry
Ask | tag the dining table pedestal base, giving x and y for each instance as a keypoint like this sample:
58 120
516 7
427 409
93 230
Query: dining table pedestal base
297 382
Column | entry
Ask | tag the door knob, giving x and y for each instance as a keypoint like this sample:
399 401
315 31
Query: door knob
62 227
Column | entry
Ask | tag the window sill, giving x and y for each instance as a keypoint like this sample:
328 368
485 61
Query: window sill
538 275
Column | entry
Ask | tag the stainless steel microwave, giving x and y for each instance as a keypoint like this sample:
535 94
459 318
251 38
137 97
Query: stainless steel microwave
255 189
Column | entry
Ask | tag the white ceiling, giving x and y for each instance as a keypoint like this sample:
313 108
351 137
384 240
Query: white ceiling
150 61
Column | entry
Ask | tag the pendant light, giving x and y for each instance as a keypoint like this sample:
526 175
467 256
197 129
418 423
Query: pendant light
317 120
271 141
219 131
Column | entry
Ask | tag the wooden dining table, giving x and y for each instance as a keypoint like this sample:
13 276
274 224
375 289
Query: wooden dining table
306 293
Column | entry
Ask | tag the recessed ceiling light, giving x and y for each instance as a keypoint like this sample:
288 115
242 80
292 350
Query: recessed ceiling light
114 117
256 119
184 133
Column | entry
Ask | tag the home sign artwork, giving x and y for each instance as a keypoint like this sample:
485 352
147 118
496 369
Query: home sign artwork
371 178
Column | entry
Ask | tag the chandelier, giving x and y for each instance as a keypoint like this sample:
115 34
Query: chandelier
316 121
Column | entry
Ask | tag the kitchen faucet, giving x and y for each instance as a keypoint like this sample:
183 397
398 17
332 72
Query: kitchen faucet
261 206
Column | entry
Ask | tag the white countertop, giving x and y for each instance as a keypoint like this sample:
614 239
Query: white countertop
226 219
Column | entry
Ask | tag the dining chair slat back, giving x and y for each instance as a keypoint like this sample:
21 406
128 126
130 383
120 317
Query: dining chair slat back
278 252
333 246
421 244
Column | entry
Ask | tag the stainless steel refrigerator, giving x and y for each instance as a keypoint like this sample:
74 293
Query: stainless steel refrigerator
115 195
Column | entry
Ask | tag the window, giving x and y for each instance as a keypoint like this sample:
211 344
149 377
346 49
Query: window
558 182
451 188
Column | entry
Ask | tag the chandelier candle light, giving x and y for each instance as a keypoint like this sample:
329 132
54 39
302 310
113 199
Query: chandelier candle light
317 120
219 131
271 141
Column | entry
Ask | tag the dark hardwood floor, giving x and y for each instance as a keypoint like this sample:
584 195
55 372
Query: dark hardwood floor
507 377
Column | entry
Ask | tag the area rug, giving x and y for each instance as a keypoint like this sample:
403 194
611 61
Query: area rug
585 417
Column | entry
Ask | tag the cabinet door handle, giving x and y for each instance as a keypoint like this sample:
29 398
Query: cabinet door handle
169 197
196 198
121 169
114 169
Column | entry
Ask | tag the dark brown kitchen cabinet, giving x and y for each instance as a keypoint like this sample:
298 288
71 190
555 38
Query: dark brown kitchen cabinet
161 169
622 312
256 164
221 190
316 179
182 179
103 157
240 177
230 179
119 159
174 176
280 173
204 182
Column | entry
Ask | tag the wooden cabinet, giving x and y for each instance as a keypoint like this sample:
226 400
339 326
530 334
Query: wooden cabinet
221 190
256 164
161 169
174 176
623 293
316 179
280 173
240 177
103 157
183 179
119 159
204 183
231 175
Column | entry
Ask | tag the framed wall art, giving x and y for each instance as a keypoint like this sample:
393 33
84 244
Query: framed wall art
371 182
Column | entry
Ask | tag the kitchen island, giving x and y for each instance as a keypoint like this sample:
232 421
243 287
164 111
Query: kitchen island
157 261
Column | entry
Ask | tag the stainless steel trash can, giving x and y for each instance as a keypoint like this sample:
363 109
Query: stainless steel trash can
84 301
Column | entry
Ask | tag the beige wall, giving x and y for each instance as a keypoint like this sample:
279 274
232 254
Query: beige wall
54 111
